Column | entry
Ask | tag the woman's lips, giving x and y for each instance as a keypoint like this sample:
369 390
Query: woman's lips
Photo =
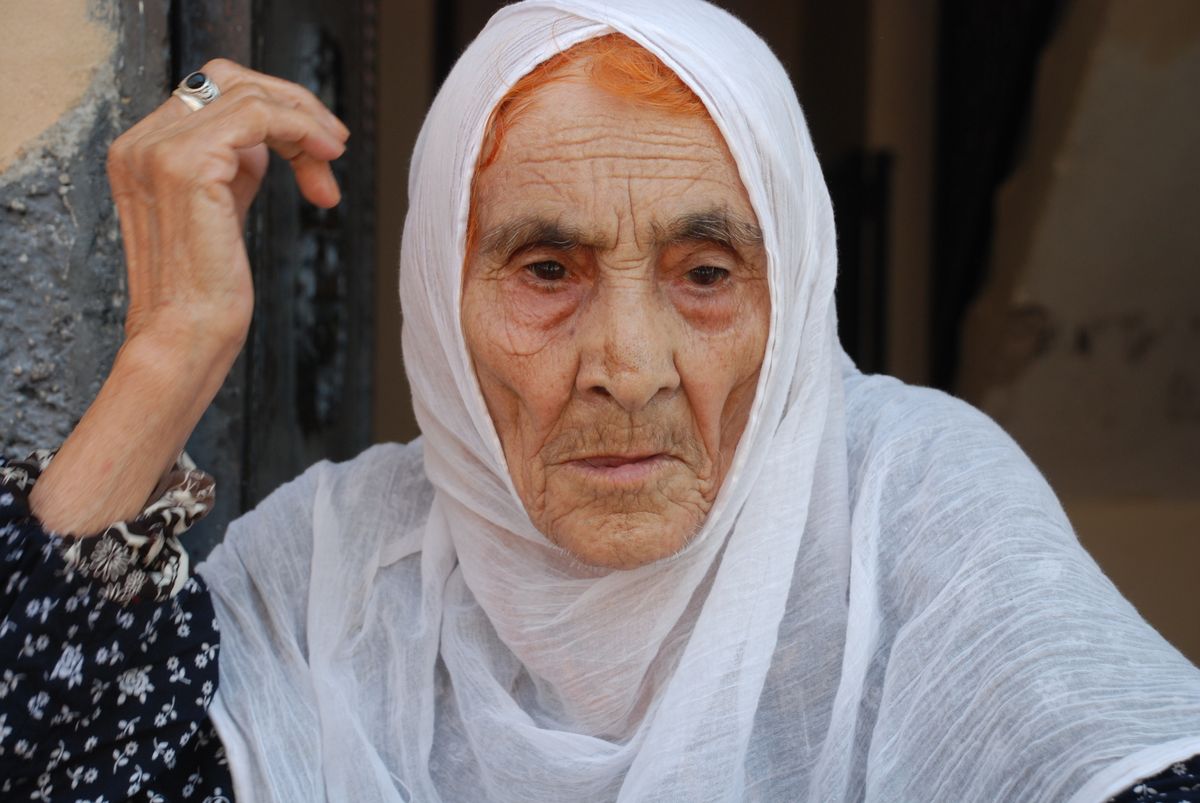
621 469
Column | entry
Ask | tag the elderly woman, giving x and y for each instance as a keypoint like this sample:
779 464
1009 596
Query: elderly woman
659 540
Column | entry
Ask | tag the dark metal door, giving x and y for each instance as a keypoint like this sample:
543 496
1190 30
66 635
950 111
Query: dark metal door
301 391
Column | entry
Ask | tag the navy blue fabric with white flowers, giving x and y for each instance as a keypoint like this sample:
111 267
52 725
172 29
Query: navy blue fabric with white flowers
99 700
1178 783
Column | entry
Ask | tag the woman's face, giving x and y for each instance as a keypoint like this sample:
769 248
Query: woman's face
615 305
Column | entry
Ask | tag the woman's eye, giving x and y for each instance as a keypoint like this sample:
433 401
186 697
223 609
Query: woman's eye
707 275
547 271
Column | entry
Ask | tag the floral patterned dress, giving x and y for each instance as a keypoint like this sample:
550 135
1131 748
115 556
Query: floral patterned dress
108 655
108 659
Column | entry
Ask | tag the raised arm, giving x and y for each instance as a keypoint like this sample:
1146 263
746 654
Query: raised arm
183 182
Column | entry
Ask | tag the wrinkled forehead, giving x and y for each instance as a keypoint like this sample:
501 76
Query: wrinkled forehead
742 86
743 89
562 33
583 165
737 79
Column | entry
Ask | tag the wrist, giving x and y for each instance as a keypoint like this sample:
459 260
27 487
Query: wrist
192 331
160 384
192 355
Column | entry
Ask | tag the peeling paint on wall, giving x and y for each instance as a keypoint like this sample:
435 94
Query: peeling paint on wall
51 55
62 280
1084 344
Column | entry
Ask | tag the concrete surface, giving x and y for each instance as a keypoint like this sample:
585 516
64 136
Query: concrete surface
75 74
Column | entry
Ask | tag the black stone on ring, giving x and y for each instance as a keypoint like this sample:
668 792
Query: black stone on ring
197 90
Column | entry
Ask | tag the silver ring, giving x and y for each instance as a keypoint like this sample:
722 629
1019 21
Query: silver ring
197 91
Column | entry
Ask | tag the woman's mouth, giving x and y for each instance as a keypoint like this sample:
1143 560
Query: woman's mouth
622 469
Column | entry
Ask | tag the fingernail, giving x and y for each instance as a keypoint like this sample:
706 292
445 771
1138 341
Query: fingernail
338 125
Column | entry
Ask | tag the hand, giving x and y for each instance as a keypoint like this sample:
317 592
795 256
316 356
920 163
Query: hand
183 182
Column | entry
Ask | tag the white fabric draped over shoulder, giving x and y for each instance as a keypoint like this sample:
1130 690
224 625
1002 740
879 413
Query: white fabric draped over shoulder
885 603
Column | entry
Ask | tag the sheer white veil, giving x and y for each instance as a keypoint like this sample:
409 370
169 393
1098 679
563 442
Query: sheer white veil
396 629
667 661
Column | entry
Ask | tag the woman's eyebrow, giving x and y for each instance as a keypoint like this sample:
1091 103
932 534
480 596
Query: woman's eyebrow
712 225
515 235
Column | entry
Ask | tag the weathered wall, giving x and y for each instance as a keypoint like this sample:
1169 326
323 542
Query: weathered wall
1084 345
75 74
66 65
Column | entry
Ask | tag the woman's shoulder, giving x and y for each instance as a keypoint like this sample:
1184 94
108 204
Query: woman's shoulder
384 478
936 486
884 412
390 475
914 439
380 495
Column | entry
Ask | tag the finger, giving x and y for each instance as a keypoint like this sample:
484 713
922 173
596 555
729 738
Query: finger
316 182
171 110
203 147
302 98
250 117
228 74
252 165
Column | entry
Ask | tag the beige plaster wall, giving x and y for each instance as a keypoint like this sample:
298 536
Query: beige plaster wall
1084 344
50 50
73 75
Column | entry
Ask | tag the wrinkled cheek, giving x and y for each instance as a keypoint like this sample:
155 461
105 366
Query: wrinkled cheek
521 340
526 395
513 344
538 380
719 375
708 373
532 321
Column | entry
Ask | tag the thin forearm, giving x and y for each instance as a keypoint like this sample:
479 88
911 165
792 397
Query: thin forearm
132 433
183 182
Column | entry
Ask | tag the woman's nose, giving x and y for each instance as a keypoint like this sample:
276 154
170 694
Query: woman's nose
627 348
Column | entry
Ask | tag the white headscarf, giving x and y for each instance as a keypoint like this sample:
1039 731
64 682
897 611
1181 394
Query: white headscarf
890 609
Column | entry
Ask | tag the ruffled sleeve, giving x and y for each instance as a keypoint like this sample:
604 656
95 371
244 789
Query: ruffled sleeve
109 649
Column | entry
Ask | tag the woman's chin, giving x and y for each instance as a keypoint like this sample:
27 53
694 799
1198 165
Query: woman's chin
621 514
624 538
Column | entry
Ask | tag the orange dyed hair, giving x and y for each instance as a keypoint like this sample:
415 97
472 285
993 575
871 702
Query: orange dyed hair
614 63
